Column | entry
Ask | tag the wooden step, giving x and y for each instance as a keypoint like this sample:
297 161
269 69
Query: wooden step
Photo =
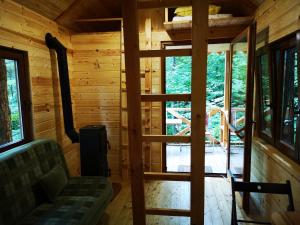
168 212
163 4
165 53
167 176
166 97
166 138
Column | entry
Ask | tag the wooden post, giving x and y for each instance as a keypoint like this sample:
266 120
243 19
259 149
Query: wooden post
133 84
199 64
226 97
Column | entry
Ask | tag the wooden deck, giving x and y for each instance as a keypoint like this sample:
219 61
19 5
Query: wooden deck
179 158
175 195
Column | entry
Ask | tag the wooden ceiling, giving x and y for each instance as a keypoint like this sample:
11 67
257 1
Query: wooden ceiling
73 14
48 8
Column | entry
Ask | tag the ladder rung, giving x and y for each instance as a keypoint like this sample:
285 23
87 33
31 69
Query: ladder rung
163 4
166 97
165 53
168 212
167 176
166 138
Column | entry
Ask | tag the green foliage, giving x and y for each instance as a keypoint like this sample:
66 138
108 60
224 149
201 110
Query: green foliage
15 121
239 75
178 75
13 98
178 80
215 79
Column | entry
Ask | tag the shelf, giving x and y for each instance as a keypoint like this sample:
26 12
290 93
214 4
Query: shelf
223 28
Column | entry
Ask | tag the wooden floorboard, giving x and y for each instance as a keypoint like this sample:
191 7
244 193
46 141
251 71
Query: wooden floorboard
174 194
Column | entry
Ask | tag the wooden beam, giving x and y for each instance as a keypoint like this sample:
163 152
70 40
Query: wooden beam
70 12
167 176
98 20
227 83
199 64
168 212
165 53
163 4
132 63
166 138
85 9
166 97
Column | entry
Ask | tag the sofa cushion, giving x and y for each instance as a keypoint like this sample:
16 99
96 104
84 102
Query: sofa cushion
82 202
49 155
54 182
20 170
88 186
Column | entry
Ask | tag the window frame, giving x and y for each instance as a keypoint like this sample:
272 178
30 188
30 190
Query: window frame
282 46
25 94
263 134
277 91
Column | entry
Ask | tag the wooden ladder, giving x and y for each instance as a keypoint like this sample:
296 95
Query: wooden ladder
197 98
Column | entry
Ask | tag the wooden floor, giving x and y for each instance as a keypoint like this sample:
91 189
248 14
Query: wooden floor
175 195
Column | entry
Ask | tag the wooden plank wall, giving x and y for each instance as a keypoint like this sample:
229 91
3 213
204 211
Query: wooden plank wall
95 83
268 164
282 17
23 29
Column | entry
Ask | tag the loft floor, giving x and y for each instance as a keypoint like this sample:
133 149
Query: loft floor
175 195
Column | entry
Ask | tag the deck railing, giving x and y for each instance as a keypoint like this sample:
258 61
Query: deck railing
180 118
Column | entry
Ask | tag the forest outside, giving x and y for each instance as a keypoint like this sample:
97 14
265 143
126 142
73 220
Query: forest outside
11 128
178 80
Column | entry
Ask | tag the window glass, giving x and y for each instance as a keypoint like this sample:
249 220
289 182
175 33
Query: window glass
178 81
238 105
266 114
239 83
290 98
10 109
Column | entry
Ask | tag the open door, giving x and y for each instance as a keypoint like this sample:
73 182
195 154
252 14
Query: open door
240 113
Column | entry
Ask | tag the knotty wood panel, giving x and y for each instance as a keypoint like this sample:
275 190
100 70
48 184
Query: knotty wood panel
96 86
23 29
269 165
282 17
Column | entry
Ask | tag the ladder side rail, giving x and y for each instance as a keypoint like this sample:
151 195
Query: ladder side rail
132 63
199 63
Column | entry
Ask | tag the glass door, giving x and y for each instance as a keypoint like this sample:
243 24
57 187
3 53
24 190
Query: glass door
176 78
240 119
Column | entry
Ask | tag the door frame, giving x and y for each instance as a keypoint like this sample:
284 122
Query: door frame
163 45
163 104
250 33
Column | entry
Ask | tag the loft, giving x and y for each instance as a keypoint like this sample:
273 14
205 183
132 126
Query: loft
190 94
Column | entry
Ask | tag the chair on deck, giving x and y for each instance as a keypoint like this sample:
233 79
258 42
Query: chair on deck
271 188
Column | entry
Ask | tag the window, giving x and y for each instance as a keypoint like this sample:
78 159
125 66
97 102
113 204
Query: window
15 107
265 88
278 93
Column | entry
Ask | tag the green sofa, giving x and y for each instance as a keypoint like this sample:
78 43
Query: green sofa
24 200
